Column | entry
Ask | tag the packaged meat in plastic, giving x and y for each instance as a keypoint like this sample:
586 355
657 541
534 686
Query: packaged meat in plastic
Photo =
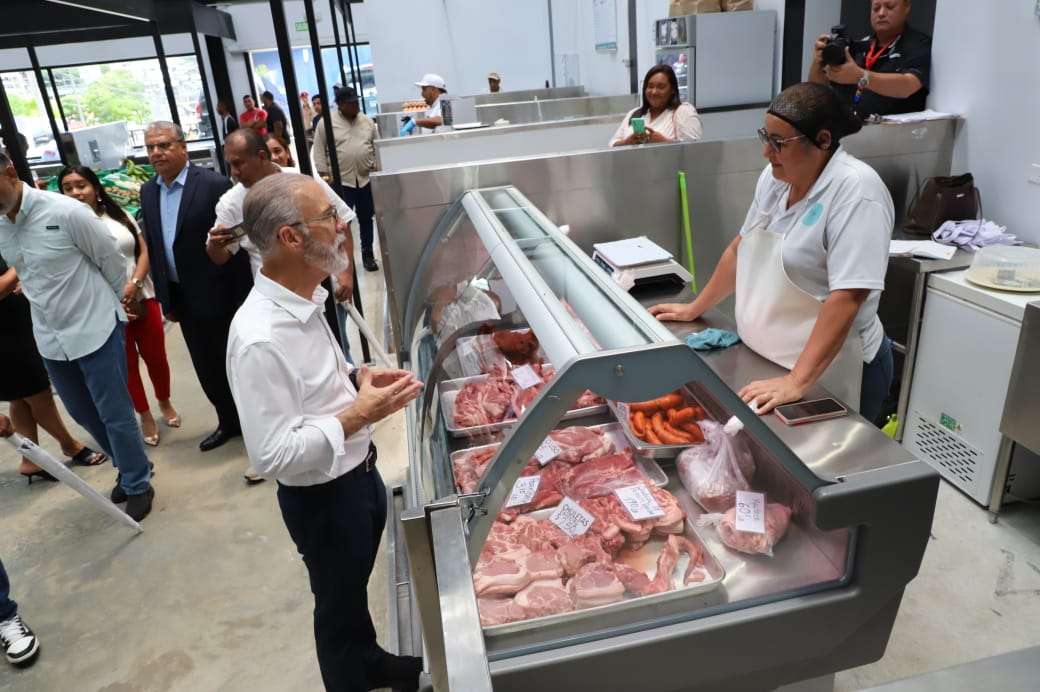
713 472
776 520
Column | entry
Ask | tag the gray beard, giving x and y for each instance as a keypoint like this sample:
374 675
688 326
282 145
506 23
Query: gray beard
329 260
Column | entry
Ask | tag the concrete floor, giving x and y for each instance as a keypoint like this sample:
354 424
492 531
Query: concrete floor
214 597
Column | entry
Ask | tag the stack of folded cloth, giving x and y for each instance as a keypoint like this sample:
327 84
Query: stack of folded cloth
974 234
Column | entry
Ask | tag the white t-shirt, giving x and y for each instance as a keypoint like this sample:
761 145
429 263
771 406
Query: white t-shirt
229 215
680 124
433 111
125 241
836 238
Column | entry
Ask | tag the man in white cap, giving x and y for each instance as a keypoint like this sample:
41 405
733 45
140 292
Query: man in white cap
494 83
431 86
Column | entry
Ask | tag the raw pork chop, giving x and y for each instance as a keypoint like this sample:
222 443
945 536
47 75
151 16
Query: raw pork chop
498 610
674 517
543 565
523 397
578 444
601 476
777 519
470 467
544 597
547 494
580 551
502 574
595 584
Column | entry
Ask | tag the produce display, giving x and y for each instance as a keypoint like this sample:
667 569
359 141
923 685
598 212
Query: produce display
123 184
667 420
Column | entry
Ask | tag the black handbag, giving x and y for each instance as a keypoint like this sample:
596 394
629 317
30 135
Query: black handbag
942 199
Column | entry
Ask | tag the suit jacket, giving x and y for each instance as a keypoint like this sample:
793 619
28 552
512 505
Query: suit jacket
206 291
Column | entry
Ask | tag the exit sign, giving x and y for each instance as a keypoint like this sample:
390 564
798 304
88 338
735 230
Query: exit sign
301 26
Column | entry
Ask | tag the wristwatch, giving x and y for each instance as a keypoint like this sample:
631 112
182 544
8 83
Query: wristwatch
139 283
864 81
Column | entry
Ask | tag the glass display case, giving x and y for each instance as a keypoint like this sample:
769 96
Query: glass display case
585 488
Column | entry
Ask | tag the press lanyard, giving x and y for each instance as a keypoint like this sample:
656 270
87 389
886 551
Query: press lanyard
873 57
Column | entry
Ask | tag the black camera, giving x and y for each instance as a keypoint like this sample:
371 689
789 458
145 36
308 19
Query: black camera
834 52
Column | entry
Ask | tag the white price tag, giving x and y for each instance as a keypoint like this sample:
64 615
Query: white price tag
547 451
526 377
751 511
639 501
571 518
469 361
523 490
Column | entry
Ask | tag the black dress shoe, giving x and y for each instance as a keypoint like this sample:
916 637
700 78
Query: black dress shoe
118 495
217 439
400 673
140 506
368 260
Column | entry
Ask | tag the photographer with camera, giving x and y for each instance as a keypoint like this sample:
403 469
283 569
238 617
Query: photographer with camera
884 73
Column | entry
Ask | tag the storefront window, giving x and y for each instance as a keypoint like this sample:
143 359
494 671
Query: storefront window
267 73
30 115
133 91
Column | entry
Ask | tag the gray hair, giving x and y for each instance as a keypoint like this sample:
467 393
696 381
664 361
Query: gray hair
166 126
270 204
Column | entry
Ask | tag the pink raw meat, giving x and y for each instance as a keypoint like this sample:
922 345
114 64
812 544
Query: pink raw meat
544 597
543 565
579 551
499 610
636 581
470 466
595 584
777 519
502 574
523 397
547 494
601 476
579 443
483 402
588 399
674 517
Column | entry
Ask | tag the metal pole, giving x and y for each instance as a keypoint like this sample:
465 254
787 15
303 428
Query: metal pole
57 100
281 35
160 53
217 148
339 47
552 47
42 86
350 56
357 61
9 130
633 53
249 76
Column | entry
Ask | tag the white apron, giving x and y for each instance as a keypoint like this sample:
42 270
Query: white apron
775 316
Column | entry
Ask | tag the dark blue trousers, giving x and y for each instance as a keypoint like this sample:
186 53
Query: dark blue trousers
8 608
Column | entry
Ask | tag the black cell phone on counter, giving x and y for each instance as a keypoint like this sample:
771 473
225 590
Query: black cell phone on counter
811 411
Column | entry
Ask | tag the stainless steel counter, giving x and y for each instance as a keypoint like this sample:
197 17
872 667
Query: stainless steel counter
1022 407
833 449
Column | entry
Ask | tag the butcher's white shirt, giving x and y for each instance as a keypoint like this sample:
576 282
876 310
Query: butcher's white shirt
680 124
837 237
289 380
229 215
434 111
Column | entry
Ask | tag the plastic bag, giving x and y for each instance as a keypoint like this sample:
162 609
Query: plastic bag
713 472
777 519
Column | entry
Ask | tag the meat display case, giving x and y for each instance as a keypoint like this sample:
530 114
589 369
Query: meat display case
824 601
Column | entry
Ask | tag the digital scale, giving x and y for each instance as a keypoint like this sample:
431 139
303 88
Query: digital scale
638 262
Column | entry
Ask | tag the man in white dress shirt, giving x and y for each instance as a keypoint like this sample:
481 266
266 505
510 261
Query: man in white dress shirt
73 275
432 87
306 417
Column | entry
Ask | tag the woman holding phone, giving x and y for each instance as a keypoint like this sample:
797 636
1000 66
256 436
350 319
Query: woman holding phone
662 117
144 332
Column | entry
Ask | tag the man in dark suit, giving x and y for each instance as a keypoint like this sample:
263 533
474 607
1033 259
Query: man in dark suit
179 206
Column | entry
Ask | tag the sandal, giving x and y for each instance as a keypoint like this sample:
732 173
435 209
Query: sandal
151 440
88 457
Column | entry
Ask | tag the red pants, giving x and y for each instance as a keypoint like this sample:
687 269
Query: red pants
145 336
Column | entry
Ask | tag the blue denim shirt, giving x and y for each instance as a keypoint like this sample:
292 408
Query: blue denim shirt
169 207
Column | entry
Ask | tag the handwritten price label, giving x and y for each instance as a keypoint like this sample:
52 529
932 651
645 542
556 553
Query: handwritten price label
525 377
751 512
547 451
639 502
523 490
571 518
469 361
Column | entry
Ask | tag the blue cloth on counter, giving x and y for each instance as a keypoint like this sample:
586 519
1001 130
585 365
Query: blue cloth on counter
711 339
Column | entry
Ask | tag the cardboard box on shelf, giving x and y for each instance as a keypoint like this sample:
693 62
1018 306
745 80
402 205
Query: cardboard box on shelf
737 5
681 8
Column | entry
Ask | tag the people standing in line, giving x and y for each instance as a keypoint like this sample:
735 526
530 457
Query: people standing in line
276 120
228 122
179 205
73 275
432 87
253 116
307 424
144 332
24 382
279 150
494 83
354 134
666 118
20 644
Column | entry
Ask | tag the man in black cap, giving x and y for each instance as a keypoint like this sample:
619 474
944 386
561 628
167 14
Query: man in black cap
354 134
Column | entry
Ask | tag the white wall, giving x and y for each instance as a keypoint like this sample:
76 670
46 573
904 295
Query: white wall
603 73
995 85
820 16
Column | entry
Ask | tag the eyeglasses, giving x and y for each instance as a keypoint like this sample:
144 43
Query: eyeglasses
775 142
330 214
161 146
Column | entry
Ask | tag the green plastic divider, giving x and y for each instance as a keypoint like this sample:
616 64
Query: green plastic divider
686 241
